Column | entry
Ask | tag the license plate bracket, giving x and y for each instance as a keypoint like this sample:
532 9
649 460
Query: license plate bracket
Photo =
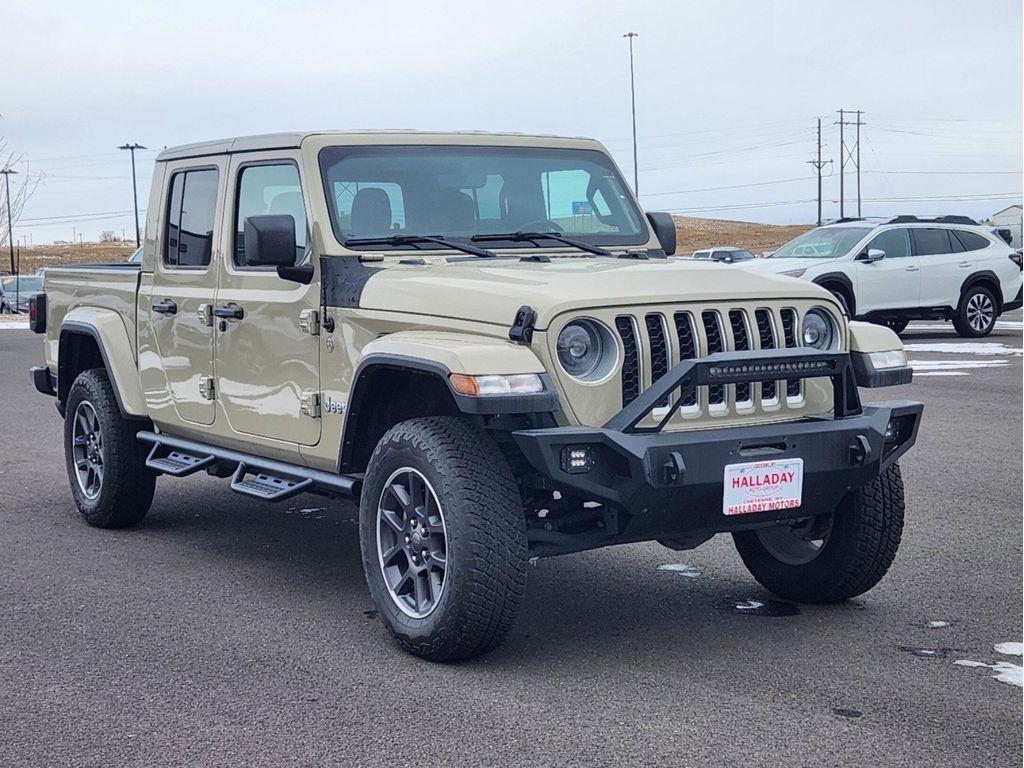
762 486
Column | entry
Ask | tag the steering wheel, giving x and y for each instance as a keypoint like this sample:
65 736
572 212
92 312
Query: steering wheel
542 225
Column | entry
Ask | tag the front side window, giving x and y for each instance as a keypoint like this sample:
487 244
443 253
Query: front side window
895 243
822 243
461 191
268 190
191 210
931 242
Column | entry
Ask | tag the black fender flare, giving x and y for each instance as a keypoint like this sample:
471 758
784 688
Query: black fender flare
847 284
367 376
64 369
988 278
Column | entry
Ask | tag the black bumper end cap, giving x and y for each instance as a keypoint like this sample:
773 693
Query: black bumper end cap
44 381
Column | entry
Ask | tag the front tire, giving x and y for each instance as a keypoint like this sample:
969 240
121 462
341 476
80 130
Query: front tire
443 538
835 556
976 315
106 467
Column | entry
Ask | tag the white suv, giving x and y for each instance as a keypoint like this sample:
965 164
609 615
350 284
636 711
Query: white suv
896 270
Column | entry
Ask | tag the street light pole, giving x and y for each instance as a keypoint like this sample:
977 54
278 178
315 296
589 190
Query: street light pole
10 221
632 93
135 190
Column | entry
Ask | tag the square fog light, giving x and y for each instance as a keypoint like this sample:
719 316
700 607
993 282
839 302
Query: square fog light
577 459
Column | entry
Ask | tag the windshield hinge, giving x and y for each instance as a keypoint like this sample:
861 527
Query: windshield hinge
521 331
309 322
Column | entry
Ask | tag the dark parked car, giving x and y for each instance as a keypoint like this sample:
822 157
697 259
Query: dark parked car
16 290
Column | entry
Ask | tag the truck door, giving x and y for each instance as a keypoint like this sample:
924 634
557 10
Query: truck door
267 355
175 299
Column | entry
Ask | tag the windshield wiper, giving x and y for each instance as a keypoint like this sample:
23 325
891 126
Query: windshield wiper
415 240
533 237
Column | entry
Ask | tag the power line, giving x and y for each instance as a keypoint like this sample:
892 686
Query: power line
731 186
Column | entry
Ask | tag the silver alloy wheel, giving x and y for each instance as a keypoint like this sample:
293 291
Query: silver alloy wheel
87 450
980 312
797 544
412 542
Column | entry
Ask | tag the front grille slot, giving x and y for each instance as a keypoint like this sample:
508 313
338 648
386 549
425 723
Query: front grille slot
741 343
716 343
793 387
766 335
630 360
686 333
660 363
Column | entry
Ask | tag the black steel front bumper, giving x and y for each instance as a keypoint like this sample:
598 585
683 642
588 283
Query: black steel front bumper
672 482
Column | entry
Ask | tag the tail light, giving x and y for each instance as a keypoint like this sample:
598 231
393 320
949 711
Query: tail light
37 313
1016 259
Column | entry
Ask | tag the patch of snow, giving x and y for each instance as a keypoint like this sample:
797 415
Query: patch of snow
1010 649
939 365
1005 672
749 605
941 373
938 624
966 348
13 325
1008 325
682 569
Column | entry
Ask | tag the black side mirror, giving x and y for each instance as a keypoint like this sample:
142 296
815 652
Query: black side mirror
665 230
270 242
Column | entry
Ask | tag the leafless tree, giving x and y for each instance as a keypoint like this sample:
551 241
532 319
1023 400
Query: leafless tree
23 186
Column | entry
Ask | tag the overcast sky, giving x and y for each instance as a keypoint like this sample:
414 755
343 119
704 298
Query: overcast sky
727 92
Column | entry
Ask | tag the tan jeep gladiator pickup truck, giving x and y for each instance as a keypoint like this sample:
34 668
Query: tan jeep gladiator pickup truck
478 337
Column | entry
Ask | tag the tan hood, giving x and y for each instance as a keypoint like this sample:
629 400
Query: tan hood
492 291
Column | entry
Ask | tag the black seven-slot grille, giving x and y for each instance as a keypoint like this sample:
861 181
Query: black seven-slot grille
655 348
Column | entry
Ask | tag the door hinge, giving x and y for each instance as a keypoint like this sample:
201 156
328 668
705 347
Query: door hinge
309 321
205 313
206 387
309 404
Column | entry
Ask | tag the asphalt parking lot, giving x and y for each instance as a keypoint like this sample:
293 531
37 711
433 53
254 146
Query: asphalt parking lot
226 632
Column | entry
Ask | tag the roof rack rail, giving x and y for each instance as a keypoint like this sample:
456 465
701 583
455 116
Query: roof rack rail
948 219
846 219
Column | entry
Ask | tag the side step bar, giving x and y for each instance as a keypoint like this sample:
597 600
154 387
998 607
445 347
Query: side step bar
250 475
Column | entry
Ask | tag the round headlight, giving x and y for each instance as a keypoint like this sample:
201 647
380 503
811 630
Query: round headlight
818 330
586 350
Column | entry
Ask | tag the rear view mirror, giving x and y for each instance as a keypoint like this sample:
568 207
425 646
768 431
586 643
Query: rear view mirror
872 255
269 241
665 230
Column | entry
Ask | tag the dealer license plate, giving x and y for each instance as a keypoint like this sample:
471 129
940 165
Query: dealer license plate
763 486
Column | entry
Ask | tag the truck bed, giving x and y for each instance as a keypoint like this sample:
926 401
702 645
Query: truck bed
112 287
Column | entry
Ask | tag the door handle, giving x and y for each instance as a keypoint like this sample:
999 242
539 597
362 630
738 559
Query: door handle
964 264
912 269
165 307
229 312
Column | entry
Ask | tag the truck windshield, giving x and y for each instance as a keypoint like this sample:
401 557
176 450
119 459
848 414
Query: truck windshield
822 243
458 192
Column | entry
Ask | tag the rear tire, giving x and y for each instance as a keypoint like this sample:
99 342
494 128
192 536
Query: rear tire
862 538
106 465
976 315
443 538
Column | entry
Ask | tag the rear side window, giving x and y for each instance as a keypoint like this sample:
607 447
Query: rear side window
971 241
895 243
190 214
269 190
932 242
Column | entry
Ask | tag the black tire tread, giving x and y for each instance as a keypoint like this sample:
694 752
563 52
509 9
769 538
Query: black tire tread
128 485
867 533
479 485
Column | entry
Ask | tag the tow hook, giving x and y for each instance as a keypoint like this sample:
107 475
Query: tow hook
673 468
860 450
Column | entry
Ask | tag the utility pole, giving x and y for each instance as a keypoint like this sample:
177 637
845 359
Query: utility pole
818 165
849 154
632 93
10 220
135 192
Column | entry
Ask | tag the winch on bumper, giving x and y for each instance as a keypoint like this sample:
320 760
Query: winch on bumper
669 485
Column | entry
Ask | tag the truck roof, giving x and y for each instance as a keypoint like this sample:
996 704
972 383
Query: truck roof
294 139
